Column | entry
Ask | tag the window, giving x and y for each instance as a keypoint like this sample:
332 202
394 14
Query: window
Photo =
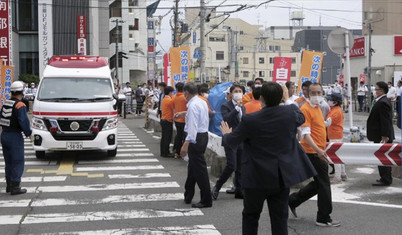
261 73
241 32
132 3
27 15
271 73
220 55
245 74
136 22
112 35
115 9
293 60
130 10
241 48
130 35
271 60
324 69
217 38
261 60
293 73
274 48
245 60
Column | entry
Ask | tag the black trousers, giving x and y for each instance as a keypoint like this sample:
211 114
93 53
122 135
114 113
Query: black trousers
385 171
197 171
179 139
167 131
233 163
277 206
321 187
360 99
138 109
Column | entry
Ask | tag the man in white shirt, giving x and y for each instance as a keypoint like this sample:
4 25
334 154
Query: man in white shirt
337 88
129 100
391 92
361 95
195 144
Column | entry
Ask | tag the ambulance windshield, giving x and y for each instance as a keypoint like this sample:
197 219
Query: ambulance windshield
75 89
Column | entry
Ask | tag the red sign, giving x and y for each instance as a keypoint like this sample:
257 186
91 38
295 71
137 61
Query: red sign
362 78
5 32
358 49
397 45
282 69
82 34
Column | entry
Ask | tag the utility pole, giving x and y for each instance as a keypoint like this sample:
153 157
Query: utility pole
176 19
202 41
117 34
369 65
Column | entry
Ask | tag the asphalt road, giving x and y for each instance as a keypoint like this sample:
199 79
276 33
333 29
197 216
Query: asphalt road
138 192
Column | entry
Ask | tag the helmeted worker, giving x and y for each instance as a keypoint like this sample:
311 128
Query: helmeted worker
14 120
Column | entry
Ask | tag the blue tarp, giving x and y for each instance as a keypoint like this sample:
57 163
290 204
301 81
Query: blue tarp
216 98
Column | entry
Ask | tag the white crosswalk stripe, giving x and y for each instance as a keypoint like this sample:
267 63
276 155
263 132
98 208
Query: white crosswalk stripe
134 168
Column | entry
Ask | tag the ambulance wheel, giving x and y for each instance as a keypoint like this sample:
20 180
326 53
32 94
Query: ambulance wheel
112 153
40 154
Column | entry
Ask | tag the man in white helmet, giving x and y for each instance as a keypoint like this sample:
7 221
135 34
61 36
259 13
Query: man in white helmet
14 120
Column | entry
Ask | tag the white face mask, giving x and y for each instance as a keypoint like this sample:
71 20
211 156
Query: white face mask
316 100
257 85
237 96
331 103
206 95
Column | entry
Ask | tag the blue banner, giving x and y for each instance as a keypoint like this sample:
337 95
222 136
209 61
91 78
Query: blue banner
216 98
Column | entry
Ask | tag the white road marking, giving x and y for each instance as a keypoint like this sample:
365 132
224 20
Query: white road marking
101 187
40 179
135 155
109 199
36 163
207 229
146 175
131 146
141 160
97 215
120 168
133 150
128 142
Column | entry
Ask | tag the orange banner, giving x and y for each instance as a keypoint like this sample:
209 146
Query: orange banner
180 64
310 69
6 75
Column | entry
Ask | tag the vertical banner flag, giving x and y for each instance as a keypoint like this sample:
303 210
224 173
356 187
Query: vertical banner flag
180 64
310 69
5 32
45 33
166 68
82 34
6 76
282 69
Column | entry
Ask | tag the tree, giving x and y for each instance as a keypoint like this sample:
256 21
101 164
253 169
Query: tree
29 78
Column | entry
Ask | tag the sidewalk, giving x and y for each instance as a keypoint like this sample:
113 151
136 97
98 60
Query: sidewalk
360 120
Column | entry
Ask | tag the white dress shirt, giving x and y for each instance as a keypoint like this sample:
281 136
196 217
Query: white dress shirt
197 118
238 110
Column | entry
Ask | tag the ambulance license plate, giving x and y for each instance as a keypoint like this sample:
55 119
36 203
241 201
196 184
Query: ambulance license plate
74 145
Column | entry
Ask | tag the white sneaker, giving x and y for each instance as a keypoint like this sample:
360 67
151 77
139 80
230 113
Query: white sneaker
332 223
336 180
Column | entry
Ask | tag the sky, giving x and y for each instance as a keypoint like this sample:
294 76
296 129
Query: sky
345 13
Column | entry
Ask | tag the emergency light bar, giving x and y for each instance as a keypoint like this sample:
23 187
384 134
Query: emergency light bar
73 61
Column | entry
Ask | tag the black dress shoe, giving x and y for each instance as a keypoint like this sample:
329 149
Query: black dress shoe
239 195
381 184
293 210
231 191
187 201
201 205
214 193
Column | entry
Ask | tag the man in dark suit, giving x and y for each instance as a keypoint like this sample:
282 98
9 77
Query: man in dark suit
380 128
272 160
162 86
232 111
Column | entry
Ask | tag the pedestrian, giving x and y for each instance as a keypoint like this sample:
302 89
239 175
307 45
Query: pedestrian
232 112
249 96
335 132
167 122
14 120
203 93
303 98
391 94
345 94
139 98
398 104
255 104
195 144
162 86
361 95
337 87
272 160
128 92
380 128
291 88
313 140
179 105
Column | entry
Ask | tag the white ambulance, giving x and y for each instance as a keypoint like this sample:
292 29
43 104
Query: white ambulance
75 107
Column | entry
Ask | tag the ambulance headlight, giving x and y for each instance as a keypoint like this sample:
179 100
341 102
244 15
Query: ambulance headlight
111 123
38 123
